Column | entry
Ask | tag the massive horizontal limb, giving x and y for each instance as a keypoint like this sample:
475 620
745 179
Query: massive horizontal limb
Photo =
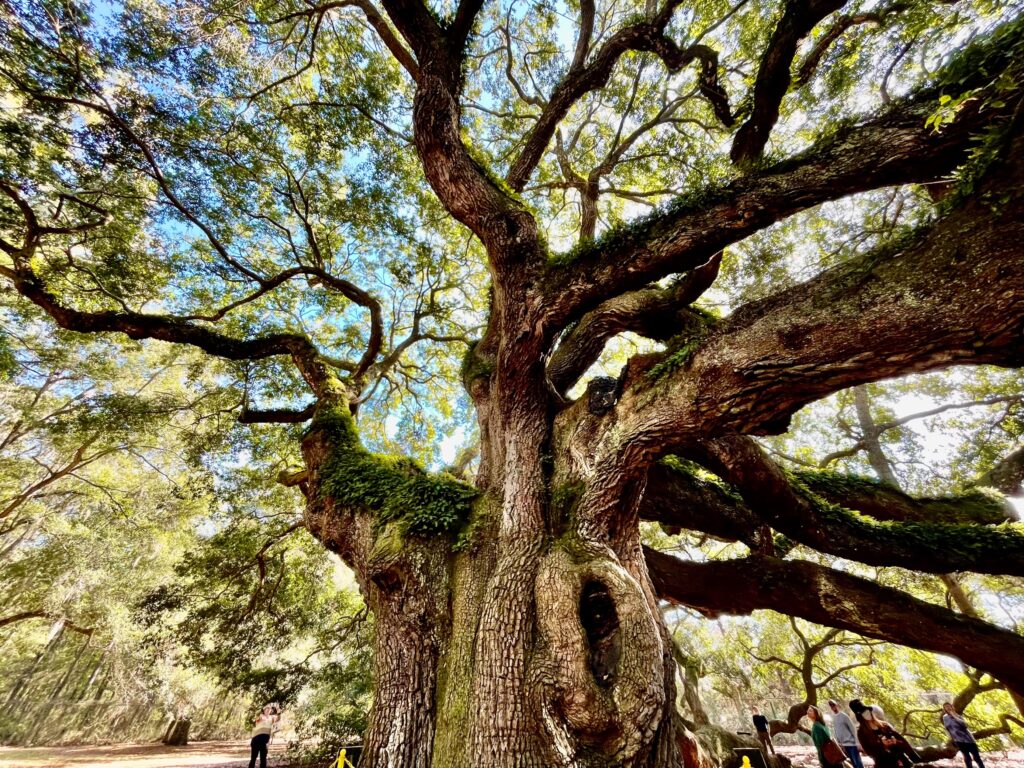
950 294
883 502
678 497
837 599
138 325
678 493
794 510
893 148
276 415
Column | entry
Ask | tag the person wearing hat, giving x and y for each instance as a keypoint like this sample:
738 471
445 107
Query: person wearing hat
880 740
845 733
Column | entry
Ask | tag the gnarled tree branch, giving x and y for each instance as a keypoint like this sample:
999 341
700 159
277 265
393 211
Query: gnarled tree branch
585 78
657 313
893 148
891 312
928 547
837 599
1008 475
799 17
276 415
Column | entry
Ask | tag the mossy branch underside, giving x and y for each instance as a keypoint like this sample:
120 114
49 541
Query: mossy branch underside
394 488
845 515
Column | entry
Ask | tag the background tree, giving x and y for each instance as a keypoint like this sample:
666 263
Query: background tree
250 183
106 566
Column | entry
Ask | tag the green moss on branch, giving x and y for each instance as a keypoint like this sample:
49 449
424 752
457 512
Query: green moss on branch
684 345
956 546
700 477
475 366
977 505
394 488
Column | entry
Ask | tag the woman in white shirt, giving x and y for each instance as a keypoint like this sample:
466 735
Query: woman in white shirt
263 727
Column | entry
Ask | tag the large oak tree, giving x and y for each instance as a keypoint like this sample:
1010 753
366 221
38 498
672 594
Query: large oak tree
320 194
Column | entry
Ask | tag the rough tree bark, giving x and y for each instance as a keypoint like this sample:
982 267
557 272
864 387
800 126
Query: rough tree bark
538 641
177 732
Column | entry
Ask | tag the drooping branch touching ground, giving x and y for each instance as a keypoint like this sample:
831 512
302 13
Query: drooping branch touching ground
806 668
837 599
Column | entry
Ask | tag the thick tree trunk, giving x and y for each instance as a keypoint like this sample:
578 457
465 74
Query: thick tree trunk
540 643
177 734
405 584
536 645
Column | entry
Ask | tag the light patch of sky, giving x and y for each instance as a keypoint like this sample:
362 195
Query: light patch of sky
448 447
936 443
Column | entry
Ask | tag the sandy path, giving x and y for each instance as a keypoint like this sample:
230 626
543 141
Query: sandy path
235 754
203 754
805 757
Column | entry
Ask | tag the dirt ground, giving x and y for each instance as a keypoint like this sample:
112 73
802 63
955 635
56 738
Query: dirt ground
202 754
805 757
235 754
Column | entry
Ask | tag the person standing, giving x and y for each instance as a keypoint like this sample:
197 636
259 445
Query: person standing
263 727
764 733
820 735
961 735
845 733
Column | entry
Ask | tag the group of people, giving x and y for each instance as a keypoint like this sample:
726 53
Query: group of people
872 735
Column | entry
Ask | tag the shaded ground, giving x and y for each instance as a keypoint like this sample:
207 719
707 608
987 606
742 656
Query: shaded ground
805 757
235 754
202 754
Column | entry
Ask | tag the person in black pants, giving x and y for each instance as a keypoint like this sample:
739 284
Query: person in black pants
263 726
764 734
961 735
